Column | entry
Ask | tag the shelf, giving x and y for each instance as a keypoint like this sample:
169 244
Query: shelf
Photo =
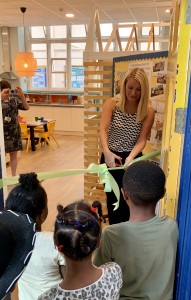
46 97
55 104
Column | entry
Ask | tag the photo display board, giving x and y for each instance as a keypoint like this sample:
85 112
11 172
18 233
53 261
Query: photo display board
155 66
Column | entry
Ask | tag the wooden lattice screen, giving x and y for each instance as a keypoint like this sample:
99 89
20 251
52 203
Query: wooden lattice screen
98 88
98 79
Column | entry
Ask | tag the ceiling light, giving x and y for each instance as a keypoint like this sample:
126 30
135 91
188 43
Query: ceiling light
25 63
167 11
69 15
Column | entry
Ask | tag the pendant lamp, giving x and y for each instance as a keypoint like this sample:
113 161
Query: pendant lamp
25 63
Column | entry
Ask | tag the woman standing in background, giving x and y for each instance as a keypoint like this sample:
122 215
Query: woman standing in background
11 103
124 129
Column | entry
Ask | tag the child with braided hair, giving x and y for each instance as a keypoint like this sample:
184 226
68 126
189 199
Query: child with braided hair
77 234
46 266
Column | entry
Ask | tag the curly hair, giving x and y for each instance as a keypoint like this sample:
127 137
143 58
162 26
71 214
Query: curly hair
28 197
144 183
78 229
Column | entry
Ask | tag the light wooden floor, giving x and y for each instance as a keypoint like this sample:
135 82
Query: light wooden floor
64 190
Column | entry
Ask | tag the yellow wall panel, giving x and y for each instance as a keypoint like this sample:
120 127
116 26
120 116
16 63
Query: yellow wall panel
174 151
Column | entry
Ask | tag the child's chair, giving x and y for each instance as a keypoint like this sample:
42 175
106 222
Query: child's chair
47 134
25 134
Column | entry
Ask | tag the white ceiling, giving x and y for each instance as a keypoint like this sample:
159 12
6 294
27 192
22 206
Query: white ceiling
52 12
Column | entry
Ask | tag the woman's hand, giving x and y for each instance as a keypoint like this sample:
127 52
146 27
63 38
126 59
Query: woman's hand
19 92
110 158
22 97
127 162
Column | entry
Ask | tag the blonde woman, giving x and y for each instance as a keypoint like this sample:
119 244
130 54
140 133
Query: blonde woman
124 129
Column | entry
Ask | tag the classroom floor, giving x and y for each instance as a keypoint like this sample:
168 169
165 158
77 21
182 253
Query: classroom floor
64 190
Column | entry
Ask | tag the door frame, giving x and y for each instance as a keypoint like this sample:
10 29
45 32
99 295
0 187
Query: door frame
183 265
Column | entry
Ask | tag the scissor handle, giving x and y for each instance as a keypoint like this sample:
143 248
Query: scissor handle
118 164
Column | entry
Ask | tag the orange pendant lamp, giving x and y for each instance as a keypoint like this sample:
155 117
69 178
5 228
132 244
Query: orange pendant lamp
25 63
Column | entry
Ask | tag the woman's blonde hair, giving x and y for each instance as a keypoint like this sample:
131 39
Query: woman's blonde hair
139 75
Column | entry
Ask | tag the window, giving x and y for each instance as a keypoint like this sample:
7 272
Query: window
58 32
58 65
39 80
111 47
58 50
38 32
146 30
77 70
78 30
144 46
40 53
106 29
58 55
58 80
125 31
77 50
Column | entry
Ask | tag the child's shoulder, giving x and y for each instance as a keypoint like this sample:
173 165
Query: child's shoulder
170 222
44 234
111 266
168 219
112 270
45 239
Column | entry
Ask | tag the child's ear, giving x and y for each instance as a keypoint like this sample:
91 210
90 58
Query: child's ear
126 198
124 194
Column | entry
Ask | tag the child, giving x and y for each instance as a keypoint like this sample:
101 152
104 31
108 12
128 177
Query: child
145 246
17 236
46 262
77 234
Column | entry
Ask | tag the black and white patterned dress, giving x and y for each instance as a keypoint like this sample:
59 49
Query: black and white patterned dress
123 131
12 133
107 287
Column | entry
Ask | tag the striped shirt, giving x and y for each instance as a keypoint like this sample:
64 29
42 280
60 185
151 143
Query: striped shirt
123 131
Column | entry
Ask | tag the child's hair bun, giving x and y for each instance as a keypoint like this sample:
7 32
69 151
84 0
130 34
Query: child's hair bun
29 181
59 208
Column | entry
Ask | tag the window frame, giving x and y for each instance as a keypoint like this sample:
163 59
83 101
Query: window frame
68 73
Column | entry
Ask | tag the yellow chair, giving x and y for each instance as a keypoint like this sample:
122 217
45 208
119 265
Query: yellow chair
47 134
39 129
25 134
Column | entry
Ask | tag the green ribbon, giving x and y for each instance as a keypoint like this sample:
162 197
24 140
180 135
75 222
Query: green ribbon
105 176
